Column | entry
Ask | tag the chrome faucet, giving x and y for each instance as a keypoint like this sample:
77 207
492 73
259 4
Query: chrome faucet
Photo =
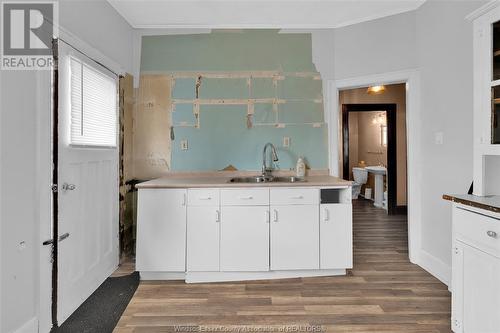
266 171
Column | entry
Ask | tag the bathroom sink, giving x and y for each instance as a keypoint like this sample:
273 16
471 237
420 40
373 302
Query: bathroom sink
377 169
262 179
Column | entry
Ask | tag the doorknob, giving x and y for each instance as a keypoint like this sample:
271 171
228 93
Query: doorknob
61 238
68 187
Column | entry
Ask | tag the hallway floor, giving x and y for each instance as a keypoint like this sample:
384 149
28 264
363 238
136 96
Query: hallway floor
383 293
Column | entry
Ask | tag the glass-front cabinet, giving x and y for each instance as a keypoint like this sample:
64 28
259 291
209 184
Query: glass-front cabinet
495 84
486 102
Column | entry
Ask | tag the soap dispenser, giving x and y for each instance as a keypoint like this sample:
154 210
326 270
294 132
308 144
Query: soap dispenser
300 168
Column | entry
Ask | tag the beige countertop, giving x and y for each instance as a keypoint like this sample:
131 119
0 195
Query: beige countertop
490 202
219 179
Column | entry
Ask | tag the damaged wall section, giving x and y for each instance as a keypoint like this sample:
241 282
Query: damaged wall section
227 94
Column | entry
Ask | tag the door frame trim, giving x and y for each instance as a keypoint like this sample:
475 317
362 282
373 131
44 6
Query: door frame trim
55 179
44 125
44 195
392 163
413 143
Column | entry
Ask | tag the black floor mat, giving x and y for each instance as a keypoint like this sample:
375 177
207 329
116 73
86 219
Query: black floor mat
102 310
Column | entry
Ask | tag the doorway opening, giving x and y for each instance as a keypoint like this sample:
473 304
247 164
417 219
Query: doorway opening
374 145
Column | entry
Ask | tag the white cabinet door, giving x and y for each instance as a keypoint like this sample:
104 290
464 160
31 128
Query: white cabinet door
203 239
294 237
335 236
244 238
476 290
161 230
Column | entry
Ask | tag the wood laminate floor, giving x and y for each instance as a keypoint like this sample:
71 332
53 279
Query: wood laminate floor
383 293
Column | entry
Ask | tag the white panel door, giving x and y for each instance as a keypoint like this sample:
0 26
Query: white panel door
335 236
203 234
88 208
161 230
476 290
294 237
244 242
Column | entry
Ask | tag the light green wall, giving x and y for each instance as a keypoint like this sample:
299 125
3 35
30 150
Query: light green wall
223 137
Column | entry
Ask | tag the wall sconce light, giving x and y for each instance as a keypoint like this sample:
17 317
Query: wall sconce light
376 90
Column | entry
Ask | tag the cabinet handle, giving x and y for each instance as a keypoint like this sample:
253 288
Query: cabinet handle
491 233
297 197
205 198
268 216
327 215
246 198
184 199
217 215
275 219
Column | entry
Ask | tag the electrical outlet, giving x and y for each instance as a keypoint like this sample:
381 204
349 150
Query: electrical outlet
184 144
286 141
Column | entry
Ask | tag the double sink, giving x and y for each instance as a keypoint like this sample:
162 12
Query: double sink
266 176
267 179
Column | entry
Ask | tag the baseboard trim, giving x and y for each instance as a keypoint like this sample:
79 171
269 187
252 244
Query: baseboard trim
31 326
200 277
162 275
435 267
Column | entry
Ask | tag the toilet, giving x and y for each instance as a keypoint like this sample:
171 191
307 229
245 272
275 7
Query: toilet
360 178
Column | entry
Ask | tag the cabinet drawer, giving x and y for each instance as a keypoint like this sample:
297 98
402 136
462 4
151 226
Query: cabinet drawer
294 196
480 231
245 197
203 197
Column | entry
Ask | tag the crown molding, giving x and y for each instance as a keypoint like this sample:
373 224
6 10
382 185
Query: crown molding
482 10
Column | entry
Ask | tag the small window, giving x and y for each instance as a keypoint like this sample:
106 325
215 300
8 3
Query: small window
93 106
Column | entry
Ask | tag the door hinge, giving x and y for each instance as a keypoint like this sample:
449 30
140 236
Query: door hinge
54 188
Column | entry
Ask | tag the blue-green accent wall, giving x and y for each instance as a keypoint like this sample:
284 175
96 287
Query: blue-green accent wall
223 137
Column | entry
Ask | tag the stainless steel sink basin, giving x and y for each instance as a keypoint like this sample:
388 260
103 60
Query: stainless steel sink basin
256 179
289 179
262 179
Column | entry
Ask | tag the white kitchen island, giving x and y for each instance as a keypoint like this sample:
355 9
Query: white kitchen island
207 229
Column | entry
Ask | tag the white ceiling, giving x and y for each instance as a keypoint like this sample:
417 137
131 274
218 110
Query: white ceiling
291 14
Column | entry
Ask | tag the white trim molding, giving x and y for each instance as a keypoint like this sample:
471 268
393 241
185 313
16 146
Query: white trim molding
203 277
412 79
436 267
482 10
82 46
234 12
44 194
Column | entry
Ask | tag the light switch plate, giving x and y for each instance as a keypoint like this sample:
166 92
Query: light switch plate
286 141
439 138
184 144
